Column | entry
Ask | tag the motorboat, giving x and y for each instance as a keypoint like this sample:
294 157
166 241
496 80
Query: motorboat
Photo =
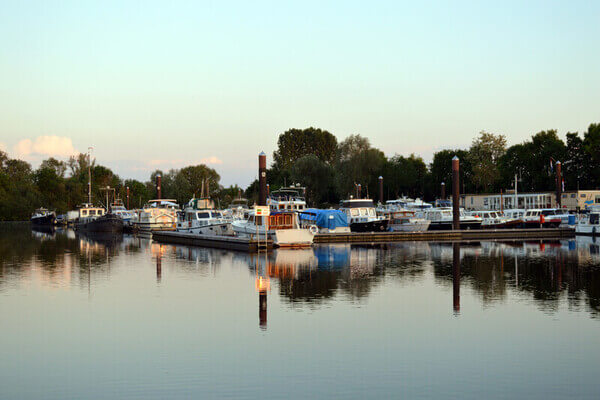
108 222
589 224
200 217
289 198
362 216
86 213
495 220
156 215
442 218
43 216
236 209
118 208
325 221
283 228
406 221
541 218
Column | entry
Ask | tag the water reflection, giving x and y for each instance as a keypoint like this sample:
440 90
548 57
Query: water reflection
545 272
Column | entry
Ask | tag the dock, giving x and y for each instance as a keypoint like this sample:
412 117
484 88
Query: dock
214 241
450 235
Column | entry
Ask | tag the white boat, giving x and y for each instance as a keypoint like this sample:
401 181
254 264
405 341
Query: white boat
540 218
157 215
496 220
287 199
282 228
120 211
326 221
406 221
362 216
441 219
589 224
200 217
236 209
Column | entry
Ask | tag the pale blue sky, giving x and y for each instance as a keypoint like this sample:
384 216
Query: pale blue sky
166 84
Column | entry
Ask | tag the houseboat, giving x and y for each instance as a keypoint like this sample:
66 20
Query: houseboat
283 228
324 221
442 218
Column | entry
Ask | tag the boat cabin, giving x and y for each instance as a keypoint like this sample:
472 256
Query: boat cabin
87 210
287 199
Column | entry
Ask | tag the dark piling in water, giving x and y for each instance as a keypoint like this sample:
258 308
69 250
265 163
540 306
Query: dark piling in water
443 191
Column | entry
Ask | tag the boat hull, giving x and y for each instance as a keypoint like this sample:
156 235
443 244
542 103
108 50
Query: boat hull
447 225
106 223
410 227
45 220
370 226
587 230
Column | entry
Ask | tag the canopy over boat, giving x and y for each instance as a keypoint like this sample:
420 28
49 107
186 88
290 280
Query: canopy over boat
329 219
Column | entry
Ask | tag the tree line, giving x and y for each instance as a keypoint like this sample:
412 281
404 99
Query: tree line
330 170
62 185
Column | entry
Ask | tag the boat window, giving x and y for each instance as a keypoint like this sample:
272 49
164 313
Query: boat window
92 212
594 219
444 213
548 212
372 212
528 214
84 213
354 212
203 215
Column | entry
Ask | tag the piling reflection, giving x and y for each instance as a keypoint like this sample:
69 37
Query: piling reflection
456 277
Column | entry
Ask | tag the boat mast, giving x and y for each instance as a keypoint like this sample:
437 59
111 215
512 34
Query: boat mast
90 175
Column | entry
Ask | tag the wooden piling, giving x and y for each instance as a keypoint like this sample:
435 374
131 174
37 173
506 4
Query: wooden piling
558 184
262 179
455 193
456 277
381 190
158 189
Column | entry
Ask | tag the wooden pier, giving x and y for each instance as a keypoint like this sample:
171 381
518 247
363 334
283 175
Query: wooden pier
214 241
453 235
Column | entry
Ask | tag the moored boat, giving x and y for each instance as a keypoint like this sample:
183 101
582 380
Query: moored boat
282 228
157 215
200 217
43 216
362 216
442 218
325 221
589 224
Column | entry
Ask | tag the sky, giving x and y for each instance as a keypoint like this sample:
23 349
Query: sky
159 85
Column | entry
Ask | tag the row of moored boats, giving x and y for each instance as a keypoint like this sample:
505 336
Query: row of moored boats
291 223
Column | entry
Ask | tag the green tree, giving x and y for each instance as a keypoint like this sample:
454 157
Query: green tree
591 146
296 143
317 177
441 171
484 154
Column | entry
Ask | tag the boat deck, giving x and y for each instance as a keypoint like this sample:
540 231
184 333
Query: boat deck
214 241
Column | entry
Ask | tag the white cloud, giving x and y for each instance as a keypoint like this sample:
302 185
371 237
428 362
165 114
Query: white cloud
53 146
211 160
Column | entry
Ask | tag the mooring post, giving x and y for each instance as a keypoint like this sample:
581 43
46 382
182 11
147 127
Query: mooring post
456 277
268 189
443 190
262 179
359 191
455 193
381 189
128 197
558 184
158 193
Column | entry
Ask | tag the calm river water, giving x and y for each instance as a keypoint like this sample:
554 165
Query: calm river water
103 318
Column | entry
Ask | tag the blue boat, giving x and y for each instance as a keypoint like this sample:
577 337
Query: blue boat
328 221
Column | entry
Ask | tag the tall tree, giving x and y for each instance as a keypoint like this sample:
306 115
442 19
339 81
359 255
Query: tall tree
296 143
484 154
317 177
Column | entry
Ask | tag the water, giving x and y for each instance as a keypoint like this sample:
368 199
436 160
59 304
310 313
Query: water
104 318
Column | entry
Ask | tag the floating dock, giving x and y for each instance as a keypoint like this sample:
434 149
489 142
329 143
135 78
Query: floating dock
476 234
214 241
